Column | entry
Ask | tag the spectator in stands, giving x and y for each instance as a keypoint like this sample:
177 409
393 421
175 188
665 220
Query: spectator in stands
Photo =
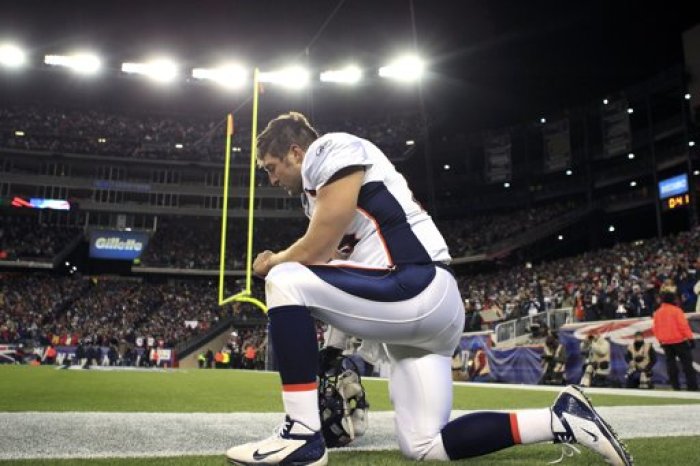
459 364
553 362
621 311
596 367
675 336
478 364
640 357
638 304
473 320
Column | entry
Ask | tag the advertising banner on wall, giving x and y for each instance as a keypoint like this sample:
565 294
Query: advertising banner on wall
556 143
617 135
117 244
497 153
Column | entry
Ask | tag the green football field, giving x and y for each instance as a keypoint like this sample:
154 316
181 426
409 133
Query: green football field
44 389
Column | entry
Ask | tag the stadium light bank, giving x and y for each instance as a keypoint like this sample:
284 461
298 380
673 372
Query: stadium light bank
161 70
408 68
349 75
12 56
293 77
81 63
229 76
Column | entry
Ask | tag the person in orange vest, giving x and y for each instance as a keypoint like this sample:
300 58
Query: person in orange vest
218 359
675 336
50 355
249 356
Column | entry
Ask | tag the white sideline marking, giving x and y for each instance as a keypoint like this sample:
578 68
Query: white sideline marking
685 395
33 435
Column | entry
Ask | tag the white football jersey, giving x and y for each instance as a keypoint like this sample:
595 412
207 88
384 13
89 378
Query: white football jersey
389 227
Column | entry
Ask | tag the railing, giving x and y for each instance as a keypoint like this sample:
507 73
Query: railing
513 329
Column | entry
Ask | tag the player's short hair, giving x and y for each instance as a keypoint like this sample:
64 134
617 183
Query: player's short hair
283 131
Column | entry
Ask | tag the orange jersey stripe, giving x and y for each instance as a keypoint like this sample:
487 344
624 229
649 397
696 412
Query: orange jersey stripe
299 387
514 428
379 232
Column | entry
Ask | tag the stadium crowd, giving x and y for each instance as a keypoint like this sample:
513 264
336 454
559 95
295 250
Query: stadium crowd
195 244
475 234
26 238
43 309
170 137
614 283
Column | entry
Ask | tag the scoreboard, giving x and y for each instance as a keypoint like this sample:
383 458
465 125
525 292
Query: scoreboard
674 192
674 202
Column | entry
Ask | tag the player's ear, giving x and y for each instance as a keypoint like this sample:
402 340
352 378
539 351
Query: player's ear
298 153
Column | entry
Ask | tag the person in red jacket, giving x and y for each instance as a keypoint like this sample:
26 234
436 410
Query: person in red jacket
675 336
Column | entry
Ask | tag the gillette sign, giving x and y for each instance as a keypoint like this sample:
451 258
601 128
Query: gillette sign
117 244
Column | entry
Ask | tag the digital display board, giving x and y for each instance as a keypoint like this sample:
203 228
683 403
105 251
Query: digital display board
673 186
117 244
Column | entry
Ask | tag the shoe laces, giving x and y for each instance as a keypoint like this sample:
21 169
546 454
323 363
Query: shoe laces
568 450
282 428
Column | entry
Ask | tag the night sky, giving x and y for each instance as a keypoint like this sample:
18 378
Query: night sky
491 62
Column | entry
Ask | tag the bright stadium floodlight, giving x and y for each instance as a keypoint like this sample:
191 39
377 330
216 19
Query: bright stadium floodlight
408 68
12 56
82 63
229 76
293 77
349 75
161 70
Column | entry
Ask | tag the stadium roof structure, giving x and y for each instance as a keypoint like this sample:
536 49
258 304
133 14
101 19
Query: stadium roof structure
492 62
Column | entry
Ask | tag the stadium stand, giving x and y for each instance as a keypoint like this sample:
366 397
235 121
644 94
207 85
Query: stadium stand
168 137
40 309
26 237
597 282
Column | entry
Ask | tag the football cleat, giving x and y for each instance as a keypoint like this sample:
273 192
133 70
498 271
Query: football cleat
293 444
575 421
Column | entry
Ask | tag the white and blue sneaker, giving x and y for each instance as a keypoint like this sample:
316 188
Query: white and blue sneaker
575 421
293 444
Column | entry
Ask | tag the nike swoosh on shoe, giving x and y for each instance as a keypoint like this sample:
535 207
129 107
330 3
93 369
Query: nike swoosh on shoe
257 456
594 436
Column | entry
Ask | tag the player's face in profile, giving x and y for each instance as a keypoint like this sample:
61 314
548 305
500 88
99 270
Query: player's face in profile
284 172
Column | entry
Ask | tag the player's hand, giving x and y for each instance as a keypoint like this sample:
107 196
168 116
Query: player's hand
263 263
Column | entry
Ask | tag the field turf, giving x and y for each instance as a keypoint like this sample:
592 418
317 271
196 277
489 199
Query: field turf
676 451
25 388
